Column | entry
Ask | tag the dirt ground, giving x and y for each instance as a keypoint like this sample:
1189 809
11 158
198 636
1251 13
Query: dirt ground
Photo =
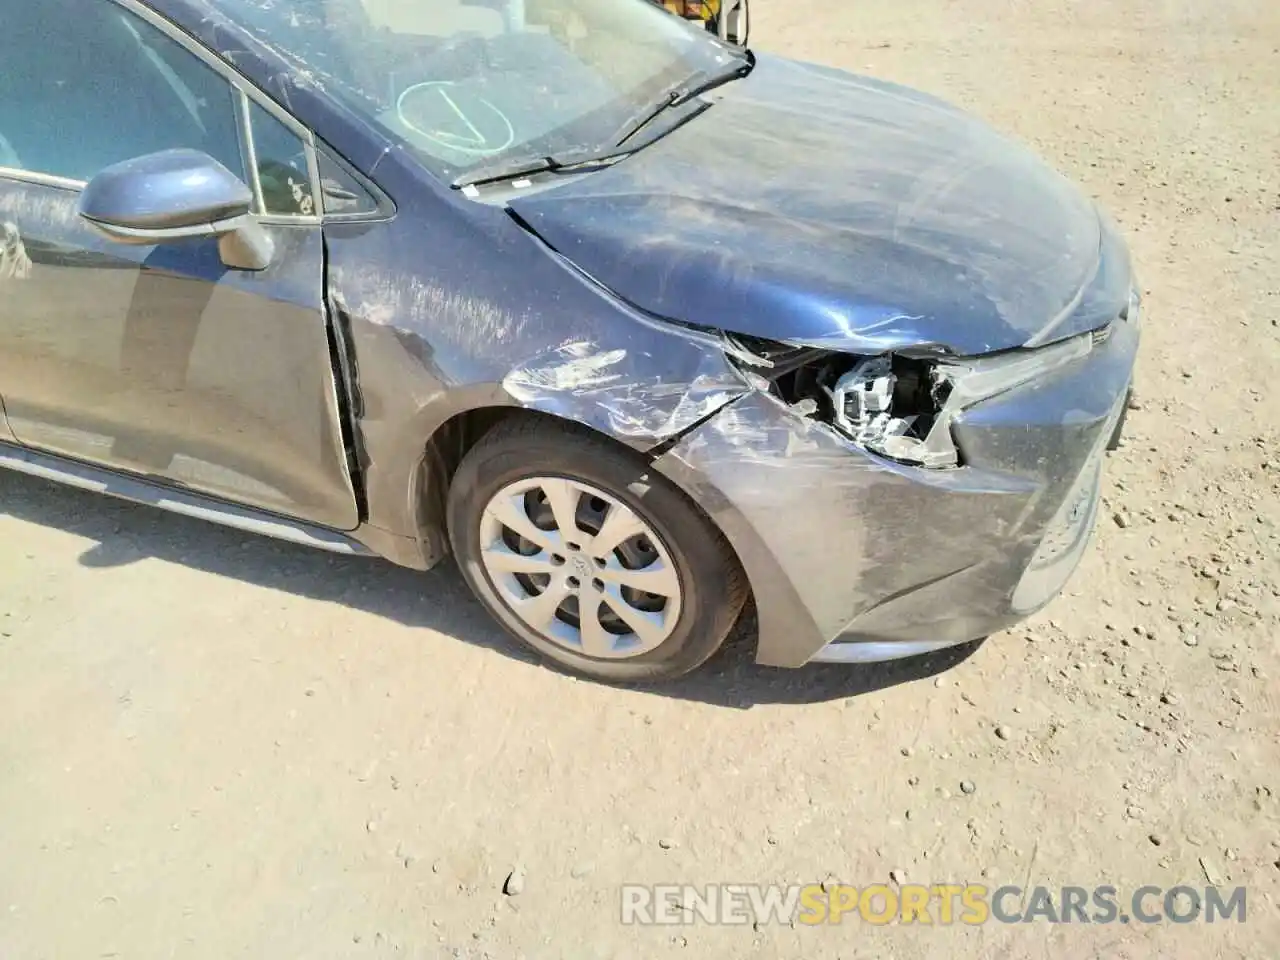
216 746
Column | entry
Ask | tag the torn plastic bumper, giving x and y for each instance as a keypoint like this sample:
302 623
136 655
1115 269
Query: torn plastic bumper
854 557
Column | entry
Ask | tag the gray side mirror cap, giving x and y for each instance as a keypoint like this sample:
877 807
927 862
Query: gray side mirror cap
177 195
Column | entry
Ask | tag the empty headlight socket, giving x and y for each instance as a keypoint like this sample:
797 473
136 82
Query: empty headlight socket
896 406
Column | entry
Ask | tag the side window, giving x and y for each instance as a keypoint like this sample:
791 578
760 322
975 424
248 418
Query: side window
282 166
86 85
344 194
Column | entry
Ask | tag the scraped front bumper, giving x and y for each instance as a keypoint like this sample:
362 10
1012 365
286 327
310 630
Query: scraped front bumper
855 558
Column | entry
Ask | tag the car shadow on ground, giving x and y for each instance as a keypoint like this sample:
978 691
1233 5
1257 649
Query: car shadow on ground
438 600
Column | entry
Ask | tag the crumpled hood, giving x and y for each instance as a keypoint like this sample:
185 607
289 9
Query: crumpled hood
813 206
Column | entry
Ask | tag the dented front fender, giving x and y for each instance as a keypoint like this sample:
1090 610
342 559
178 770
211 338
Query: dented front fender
642 400
432 333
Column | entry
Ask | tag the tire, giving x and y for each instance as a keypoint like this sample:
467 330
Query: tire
712 588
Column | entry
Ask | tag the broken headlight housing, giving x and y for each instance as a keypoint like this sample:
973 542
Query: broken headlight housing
899 406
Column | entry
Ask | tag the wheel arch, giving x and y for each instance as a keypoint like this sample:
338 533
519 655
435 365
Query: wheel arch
407 484
454 438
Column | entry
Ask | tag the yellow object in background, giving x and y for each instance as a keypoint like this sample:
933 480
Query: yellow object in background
703 10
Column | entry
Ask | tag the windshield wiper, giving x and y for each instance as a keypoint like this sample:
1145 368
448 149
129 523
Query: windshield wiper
526 166
680 94
675 96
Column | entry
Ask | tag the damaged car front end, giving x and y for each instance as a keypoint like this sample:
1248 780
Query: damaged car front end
890 504
916 504
938 330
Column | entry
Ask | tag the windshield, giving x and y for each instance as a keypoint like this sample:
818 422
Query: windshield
467 83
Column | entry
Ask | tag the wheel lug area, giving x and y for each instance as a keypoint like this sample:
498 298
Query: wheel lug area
601 562
574 583
557 560
573 546
598 584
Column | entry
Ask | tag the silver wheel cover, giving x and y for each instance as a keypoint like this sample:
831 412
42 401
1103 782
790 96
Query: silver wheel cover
580 568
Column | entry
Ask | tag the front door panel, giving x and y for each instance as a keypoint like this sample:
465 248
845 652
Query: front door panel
161 361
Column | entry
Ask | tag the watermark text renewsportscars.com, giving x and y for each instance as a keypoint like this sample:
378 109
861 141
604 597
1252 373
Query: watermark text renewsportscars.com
936 904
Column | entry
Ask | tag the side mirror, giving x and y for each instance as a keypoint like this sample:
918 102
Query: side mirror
177 195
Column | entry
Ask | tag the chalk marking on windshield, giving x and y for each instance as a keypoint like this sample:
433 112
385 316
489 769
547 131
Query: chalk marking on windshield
475 143
477 137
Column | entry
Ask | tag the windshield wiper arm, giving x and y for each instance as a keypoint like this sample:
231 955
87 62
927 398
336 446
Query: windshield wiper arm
701 82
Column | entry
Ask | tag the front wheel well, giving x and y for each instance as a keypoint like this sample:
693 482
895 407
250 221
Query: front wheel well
454 438
444 450
446 447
